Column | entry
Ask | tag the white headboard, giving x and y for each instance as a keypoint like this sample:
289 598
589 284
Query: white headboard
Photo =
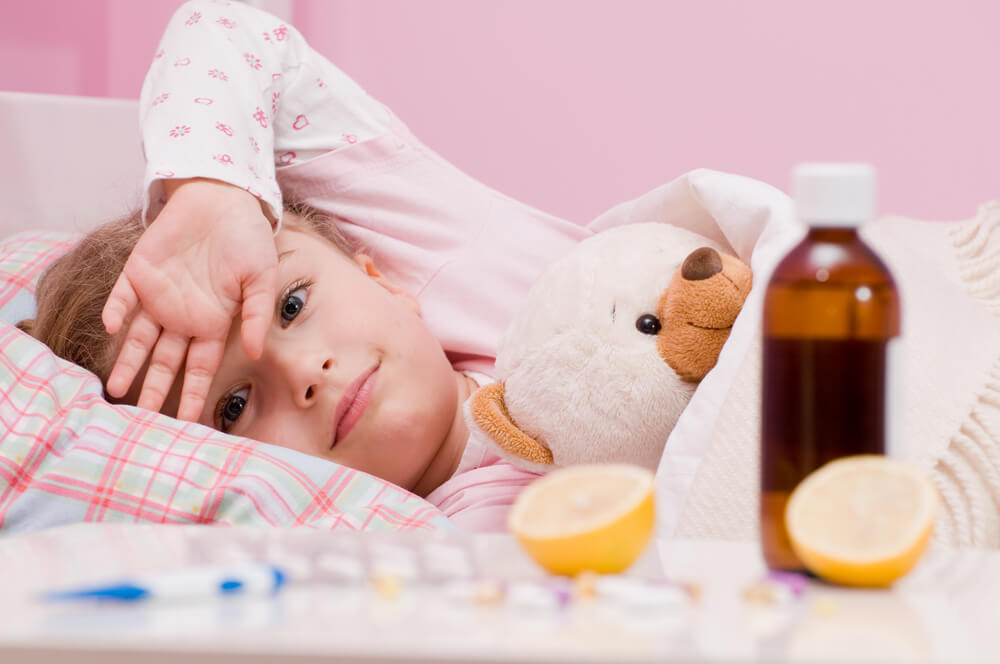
67 163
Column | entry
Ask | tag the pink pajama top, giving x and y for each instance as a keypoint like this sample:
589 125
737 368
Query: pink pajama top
237 95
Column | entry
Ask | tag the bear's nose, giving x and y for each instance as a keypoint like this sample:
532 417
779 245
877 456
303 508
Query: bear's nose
701 264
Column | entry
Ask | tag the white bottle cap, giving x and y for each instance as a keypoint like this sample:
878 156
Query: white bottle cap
834 194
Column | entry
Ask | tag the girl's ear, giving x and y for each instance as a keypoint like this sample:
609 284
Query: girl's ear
365 262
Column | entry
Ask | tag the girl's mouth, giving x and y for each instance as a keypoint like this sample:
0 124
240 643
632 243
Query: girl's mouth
353 402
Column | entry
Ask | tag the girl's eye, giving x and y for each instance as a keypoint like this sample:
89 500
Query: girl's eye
292 304
231 407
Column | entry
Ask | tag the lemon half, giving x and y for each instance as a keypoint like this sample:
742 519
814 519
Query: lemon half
595 517
862 520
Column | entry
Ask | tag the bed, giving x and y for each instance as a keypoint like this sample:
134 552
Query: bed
68 456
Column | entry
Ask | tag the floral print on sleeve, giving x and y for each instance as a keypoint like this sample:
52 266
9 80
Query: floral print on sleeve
234 93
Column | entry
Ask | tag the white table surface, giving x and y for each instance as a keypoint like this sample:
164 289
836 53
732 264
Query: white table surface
946 610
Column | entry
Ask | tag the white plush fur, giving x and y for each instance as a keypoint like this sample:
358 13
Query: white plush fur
580 378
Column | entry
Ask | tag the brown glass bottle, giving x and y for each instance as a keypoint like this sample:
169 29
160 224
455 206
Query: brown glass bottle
831 311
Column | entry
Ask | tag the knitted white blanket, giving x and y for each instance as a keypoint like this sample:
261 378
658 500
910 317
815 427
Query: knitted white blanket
949 279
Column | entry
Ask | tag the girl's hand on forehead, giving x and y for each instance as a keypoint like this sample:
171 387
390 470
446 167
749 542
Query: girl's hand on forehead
209 254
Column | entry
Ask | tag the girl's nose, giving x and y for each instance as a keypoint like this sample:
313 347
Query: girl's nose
313 374
304 374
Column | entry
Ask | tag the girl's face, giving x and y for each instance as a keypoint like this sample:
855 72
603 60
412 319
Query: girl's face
349 371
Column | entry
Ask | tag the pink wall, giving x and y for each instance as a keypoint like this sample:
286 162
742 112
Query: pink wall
574 105
95 47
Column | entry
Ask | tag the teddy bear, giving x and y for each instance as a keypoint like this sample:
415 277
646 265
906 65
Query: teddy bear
608 348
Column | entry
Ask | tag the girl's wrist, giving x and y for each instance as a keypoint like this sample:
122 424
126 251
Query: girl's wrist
172 186
214 188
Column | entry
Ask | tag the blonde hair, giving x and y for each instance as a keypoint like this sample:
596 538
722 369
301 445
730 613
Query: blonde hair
73 289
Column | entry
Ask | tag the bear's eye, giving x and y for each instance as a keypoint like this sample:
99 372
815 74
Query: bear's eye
648 324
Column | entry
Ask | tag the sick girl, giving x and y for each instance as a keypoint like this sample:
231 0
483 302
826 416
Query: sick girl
319 278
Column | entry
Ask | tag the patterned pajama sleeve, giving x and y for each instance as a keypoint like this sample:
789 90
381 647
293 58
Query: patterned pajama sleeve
234 93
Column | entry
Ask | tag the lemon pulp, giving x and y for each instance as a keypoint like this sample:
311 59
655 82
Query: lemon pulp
862 520
595 517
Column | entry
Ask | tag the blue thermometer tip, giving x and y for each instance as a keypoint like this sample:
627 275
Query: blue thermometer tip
122 592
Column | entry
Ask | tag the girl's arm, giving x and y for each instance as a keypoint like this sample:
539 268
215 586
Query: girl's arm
232 93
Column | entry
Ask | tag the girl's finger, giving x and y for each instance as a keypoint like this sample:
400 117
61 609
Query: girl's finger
203 360
258 311
140 338
166 361
122 300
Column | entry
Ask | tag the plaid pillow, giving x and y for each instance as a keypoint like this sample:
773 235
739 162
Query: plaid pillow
67 455
23 258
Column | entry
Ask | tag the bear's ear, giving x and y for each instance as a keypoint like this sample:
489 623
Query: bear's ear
489 412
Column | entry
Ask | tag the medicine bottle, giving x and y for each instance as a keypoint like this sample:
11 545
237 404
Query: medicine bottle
830 326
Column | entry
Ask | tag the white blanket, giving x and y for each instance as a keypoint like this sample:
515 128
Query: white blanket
949 278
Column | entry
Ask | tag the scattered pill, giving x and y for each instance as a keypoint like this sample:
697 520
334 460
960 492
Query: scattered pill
531 595
824 607
387 586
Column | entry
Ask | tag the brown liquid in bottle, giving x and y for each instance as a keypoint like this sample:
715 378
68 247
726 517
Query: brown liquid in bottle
830 311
